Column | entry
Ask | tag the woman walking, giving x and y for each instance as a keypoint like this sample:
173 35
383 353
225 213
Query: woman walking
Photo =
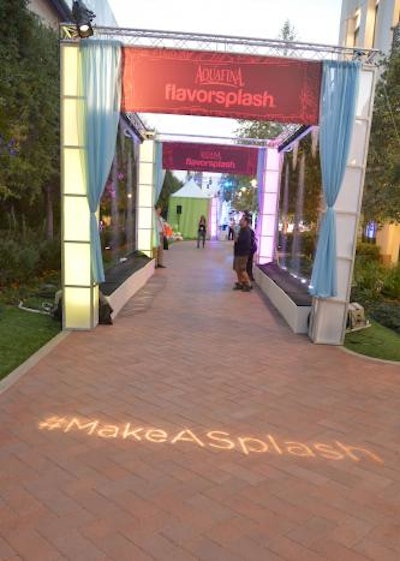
201 231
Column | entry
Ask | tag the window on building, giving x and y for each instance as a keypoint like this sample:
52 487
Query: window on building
356 28
375 23
396 35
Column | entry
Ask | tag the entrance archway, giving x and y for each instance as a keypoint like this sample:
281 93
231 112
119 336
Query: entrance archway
80 284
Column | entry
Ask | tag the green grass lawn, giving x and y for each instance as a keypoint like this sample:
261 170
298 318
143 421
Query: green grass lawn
22 334
375 341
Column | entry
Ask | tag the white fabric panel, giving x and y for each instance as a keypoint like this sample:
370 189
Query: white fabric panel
145 218
327 322
77 228
145 196
77 302
344 267
350 192
345 228
357 145
146 173
73 173
77 264
270 202
69 76
364 96
70 122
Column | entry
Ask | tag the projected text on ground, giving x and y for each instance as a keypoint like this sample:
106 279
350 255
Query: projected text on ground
215 439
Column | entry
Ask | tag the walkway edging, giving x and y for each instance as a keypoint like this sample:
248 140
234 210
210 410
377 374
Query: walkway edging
384 361
23 368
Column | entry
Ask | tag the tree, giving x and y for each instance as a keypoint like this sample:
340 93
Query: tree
267 129
171 185
288 34
257 129
228 185
29 112
381 201
312 181
245 196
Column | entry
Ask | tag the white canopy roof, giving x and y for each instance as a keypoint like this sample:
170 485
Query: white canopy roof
191 191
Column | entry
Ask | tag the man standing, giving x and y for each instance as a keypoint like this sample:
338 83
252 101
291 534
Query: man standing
159 228
249 266
241 252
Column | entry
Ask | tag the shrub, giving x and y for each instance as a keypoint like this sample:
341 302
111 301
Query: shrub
112 238
50 255
18 262
373 283
369 275
368 250
391 283
306 242
106 237
387 314
25 256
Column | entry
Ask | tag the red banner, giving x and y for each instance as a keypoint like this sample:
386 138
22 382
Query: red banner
221 85
216 158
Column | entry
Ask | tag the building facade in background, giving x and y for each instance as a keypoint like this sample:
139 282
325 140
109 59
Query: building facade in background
54 12
374 24
119 201
369 23
51 12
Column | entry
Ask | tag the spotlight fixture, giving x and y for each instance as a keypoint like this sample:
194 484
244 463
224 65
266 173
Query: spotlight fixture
83 17
358 55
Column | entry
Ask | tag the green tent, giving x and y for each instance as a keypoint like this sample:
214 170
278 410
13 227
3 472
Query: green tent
192 202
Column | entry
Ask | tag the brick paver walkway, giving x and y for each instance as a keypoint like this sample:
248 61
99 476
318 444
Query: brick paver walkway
198 427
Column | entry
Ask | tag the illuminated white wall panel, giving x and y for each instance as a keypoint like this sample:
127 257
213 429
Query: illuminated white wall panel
268 226
145 199
268 213
345 227
77 229
145 217
213 217
329 315
76 312
347 195
73 176
147 171
80 294
70 128
142 238
77 255
69 74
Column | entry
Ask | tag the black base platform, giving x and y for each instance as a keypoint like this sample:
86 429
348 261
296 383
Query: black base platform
118 274
294 288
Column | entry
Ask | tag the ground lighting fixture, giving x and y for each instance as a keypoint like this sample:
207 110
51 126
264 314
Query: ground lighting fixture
83 17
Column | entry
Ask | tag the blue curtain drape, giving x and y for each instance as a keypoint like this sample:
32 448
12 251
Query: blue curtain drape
159 171
101 93
339 89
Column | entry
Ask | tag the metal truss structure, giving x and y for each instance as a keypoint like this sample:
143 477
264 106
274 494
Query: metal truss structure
138 125
226 44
